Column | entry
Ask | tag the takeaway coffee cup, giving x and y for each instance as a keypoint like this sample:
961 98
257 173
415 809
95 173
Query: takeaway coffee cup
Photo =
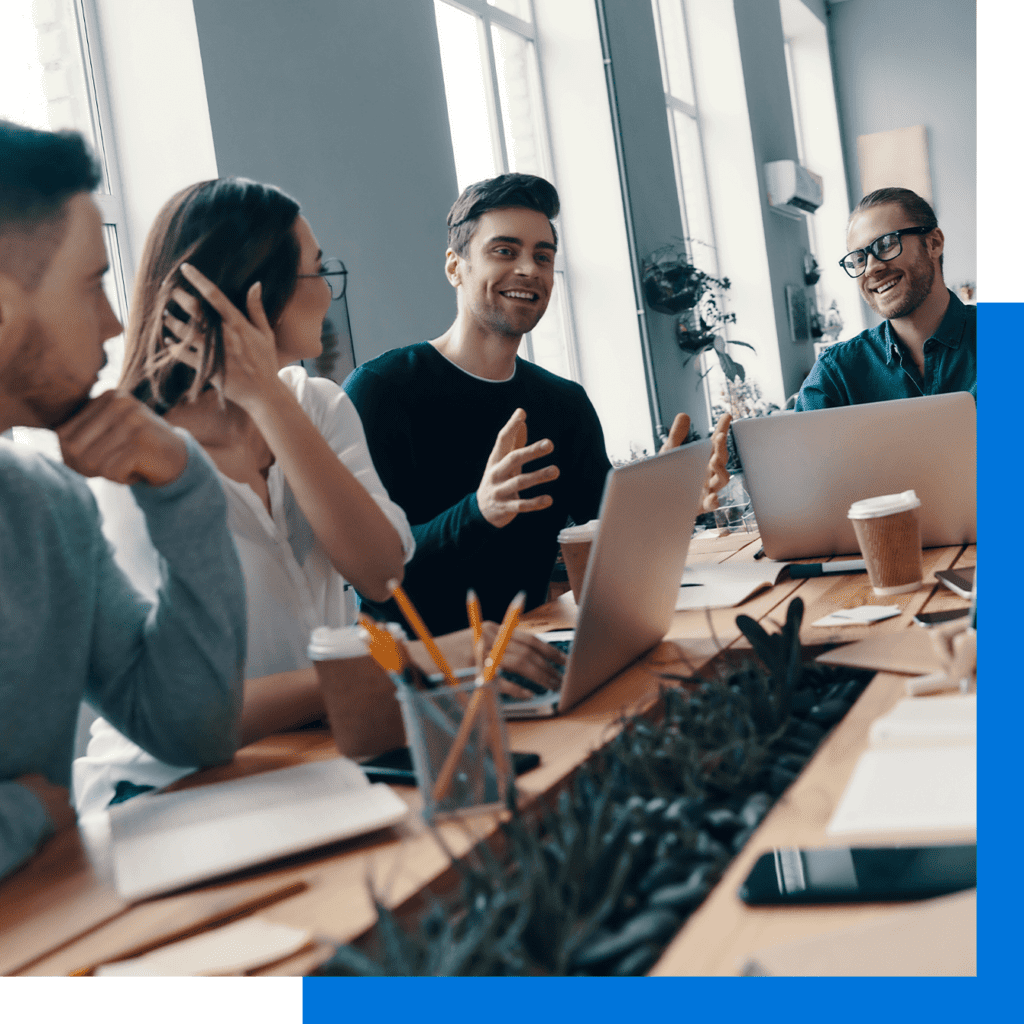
576 542
889 533
359 697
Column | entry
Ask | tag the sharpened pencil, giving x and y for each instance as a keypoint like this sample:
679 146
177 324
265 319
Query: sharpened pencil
419 627
508 624
473 612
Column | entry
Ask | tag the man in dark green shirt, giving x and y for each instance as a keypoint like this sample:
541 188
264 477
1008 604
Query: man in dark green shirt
928 342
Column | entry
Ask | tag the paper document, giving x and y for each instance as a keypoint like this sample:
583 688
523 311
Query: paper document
928 721
859 616
910 789
169 840
726 584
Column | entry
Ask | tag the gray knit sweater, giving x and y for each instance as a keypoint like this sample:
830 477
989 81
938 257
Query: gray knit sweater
71 627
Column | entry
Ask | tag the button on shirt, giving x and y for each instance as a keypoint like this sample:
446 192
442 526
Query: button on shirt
876 367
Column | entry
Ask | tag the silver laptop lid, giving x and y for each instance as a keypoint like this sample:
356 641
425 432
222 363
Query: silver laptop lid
636 563
803 470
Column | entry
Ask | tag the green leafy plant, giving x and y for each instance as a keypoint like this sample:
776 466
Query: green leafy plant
673 285
598 879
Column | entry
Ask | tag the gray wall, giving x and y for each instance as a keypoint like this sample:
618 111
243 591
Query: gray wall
905 62
341 103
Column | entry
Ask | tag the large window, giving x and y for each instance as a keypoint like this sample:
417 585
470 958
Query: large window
495 95
684 127
809 70
49 80
685 132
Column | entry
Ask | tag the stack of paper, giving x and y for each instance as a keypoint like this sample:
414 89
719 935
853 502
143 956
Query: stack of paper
919 774
726 584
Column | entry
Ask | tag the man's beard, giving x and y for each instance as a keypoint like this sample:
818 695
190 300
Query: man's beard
27 379
919 276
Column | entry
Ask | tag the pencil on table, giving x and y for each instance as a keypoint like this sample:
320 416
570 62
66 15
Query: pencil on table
419 627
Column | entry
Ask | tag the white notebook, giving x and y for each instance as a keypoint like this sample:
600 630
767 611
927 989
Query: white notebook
169 840
920 772
928 722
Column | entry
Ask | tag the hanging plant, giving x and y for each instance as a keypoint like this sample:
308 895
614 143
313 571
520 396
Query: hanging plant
674 286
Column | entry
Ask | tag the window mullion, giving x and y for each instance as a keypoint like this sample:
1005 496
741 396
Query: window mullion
700 137
112 206
484 10
497 116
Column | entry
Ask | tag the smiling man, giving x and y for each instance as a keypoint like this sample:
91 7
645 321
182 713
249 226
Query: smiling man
486 452
928 342
71 627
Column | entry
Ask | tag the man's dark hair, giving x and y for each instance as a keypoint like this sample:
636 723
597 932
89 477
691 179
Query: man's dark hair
917 209
39 172
506 190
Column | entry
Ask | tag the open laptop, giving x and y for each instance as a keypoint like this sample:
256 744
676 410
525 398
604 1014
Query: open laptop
803 470
632 581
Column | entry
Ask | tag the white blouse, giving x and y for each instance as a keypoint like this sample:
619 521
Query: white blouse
291 586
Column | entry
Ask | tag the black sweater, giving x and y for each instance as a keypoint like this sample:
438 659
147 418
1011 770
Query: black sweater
431 427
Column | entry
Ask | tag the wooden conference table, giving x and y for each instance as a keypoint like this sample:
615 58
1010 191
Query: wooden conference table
60 913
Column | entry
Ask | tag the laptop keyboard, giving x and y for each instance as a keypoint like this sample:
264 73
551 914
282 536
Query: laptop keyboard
529 684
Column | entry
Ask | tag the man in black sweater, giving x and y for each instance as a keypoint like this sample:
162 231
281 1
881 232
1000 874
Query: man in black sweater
487 453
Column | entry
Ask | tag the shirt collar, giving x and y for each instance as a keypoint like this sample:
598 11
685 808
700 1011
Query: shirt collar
950 331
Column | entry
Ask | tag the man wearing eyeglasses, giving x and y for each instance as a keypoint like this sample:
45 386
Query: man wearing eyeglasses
927 344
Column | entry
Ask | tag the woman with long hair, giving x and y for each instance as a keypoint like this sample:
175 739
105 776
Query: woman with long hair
305 505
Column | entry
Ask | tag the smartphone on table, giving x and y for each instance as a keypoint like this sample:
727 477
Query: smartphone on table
395 766
790 876
935 618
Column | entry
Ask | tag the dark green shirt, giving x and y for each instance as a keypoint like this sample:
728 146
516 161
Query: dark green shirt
876 367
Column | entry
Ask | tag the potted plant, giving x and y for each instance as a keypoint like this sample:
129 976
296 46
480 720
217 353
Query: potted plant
674 286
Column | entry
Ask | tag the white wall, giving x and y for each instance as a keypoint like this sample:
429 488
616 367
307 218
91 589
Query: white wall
154 75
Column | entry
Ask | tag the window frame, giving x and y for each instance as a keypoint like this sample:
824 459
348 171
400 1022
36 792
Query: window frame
488 15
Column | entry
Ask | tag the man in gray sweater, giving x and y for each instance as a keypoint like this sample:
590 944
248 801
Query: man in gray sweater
71 627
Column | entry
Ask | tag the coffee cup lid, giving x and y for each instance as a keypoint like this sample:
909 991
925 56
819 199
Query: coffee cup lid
883 505
585 531
326 644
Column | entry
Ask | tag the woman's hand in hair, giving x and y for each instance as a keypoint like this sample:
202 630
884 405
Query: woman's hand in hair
357 536
250 351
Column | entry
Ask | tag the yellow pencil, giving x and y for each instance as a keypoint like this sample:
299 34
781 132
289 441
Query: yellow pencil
419 627
473 611
508 624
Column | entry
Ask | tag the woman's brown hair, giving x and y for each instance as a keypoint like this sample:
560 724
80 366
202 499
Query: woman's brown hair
237 232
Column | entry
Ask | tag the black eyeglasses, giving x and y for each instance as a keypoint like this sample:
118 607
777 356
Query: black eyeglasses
336 276
885 247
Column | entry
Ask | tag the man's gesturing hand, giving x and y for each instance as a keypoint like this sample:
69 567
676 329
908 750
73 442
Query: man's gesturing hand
503 479
117 437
